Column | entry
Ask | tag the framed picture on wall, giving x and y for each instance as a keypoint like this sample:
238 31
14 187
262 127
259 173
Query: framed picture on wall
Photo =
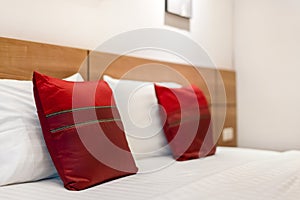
182 8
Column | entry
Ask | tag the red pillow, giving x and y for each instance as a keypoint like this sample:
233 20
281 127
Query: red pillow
186 122
83 131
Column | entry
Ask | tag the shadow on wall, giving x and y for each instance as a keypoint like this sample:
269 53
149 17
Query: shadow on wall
177 21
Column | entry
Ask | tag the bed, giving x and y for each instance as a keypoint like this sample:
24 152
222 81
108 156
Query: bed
232 173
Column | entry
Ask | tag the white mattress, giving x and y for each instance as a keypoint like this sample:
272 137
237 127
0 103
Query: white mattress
232 173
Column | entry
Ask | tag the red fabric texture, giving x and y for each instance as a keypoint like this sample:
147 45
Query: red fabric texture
186 117
82 131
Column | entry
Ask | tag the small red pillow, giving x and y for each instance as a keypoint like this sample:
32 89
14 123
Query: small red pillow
186 122
83 131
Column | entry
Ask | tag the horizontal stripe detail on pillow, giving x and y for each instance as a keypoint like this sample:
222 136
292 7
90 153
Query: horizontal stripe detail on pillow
82 124
73 118
79 109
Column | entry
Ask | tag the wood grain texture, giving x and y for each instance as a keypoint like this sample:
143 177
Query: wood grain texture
127 67
228 82
18 59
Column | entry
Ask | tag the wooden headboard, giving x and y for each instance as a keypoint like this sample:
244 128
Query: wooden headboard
18 59
127 67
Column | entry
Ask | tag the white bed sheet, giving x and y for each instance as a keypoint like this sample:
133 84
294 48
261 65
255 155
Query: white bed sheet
232 173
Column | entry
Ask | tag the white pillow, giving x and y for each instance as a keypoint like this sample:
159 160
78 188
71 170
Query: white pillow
139 111
23 154
75 77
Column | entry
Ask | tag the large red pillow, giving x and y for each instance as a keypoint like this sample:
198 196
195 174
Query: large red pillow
83 132
186 119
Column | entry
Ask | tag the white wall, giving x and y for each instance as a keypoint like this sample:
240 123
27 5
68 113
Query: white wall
88 23
267 61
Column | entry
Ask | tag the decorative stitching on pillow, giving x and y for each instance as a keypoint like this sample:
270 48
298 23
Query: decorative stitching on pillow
78 109
83 123
82 118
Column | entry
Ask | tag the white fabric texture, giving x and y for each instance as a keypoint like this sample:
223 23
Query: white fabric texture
75 77
23 154
232 173
139 111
